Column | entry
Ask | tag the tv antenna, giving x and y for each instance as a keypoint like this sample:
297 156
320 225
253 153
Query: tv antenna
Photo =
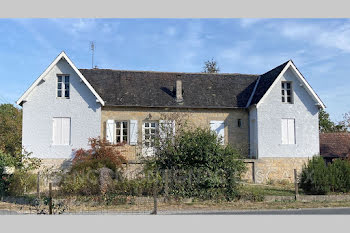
92 47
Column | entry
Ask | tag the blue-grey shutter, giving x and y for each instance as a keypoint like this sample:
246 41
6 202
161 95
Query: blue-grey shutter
133 132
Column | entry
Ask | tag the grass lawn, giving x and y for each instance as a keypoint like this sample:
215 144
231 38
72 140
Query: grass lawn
174 206
89 204
265 190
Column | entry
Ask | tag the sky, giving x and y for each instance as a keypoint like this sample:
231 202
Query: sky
320 48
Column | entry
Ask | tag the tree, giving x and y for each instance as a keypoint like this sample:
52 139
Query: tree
211 66
327 126
10 129
346 121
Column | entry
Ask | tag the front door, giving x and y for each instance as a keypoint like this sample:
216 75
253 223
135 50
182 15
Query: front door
149 133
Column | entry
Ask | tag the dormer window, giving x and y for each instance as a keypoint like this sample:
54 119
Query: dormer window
287 96
63 86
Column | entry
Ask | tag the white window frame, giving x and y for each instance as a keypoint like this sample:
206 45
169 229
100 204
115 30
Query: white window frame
149 150
290 140
121 131
63 86
284 91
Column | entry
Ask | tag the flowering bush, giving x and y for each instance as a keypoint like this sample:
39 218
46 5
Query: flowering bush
83 178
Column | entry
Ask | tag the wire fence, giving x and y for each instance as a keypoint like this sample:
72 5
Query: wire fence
48 199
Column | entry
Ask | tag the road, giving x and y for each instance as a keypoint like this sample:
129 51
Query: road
320 211
269 212
8 212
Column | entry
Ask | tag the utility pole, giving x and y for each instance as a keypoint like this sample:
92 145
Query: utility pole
92 47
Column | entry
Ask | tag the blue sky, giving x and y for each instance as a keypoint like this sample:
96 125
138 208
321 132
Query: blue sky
320 48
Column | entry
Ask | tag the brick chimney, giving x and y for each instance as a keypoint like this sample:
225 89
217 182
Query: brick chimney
179 97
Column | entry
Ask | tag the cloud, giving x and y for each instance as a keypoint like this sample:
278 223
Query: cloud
329 36
40 38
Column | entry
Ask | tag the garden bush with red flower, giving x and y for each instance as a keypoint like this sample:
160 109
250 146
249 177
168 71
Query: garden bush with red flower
83 178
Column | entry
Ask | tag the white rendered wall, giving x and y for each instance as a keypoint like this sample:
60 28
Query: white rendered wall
303 110
42 105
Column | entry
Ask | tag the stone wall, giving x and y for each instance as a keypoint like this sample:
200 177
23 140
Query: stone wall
55 164
274 169
262 170
234 135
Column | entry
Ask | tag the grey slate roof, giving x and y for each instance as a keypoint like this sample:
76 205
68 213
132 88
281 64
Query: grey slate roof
266 81
157 89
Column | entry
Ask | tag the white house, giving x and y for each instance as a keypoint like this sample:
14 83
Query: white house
275 114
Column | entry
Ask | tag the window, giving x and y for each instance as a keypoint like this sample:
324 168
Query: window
287 92
119 131
61 131
239 123
149 133
63 86
122 133
288 131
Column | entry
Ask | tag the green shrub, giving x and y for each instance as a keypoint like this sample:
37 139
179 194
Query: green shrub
80 182
318 178
339 175
134 187
197 165
22 182
23 164
315 177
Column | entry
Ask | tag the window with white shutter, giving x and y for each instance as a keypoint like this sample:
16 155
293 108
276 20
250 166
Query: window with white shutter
122 131
61 131
288 131
219 128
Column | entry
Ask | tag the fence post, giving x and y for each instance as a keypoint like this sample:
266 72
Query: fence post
253 172
296 184
155 200
38 186
50 198
166 185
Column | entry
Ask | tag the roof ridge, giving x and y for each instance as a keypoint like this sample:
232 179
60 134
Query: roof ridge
173 72
277 67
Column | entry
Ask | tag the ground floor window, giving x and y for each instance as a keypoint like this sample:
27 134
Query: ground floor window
149 129
122 133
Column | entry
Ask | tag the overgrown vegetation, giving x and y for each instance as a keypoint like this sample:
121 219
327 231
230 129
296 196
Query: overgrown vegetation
20 178
319 178
10 129
84 176
193 163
